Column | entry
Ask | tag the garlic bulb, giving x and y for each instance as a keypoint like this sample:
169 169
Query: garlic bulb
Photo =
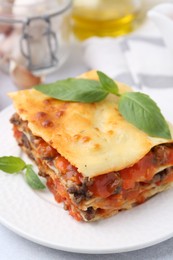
5 10
37 29
37 41
22 77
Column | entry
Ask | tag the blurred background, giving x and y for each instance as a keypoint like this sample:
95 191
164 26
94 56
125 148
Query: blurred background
43 41
40 38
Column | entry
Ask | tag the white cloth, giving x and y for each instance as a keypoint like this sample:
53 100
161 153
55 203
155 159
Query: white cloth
14 247
140 59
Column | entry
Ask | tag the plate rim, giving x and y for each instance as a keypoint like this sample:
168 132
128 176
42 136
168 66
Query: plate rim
74 249
84 251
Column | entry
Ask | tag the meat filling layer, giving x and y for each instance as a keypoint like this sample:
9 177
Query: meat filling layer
101 196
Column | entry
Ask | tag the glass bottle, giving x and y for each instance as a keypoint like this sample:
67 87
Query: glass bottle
105 17
34 34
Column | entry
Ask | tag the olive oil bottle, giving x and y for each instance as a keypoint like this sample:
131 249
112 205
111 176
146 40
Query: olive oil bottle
105 17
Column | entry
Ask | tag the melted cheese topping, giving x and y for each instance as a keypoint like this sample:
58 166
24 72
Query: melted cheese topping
93 137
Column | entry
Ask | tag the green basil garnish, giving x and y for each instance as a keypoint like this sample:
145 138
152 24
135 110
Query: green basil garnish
137 108
140 110
12 164
79 90
32 179
108 84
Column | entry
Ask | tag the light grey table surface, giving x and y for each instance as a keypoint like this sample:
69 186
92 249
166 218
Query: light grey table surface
14 247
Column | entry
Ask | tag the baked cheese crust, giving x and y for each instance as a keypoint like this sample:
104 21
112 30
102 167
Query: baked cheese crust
94 137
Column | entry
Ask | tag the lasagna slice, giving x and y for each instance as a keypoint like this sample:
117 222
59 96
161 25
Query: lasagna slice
94 161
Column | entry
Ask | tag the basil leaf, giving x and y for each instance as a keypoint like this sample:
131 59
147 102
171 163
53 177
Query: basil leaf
80 90
11 164
108 84
32 179
140 110
137 108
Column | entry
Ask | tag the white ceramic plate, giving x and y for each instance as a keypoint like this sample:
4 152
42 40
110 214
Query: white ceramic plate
36 216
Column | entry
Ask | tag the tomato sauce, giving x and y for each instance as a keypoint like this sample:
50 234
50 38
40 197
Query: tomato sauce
17 133
45 150
61 195
105 185
115 187
68 171
141 171
167 179
144 170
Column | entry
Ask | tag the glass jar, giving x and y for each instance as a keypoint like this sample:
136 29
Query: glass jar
34 34
104 17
